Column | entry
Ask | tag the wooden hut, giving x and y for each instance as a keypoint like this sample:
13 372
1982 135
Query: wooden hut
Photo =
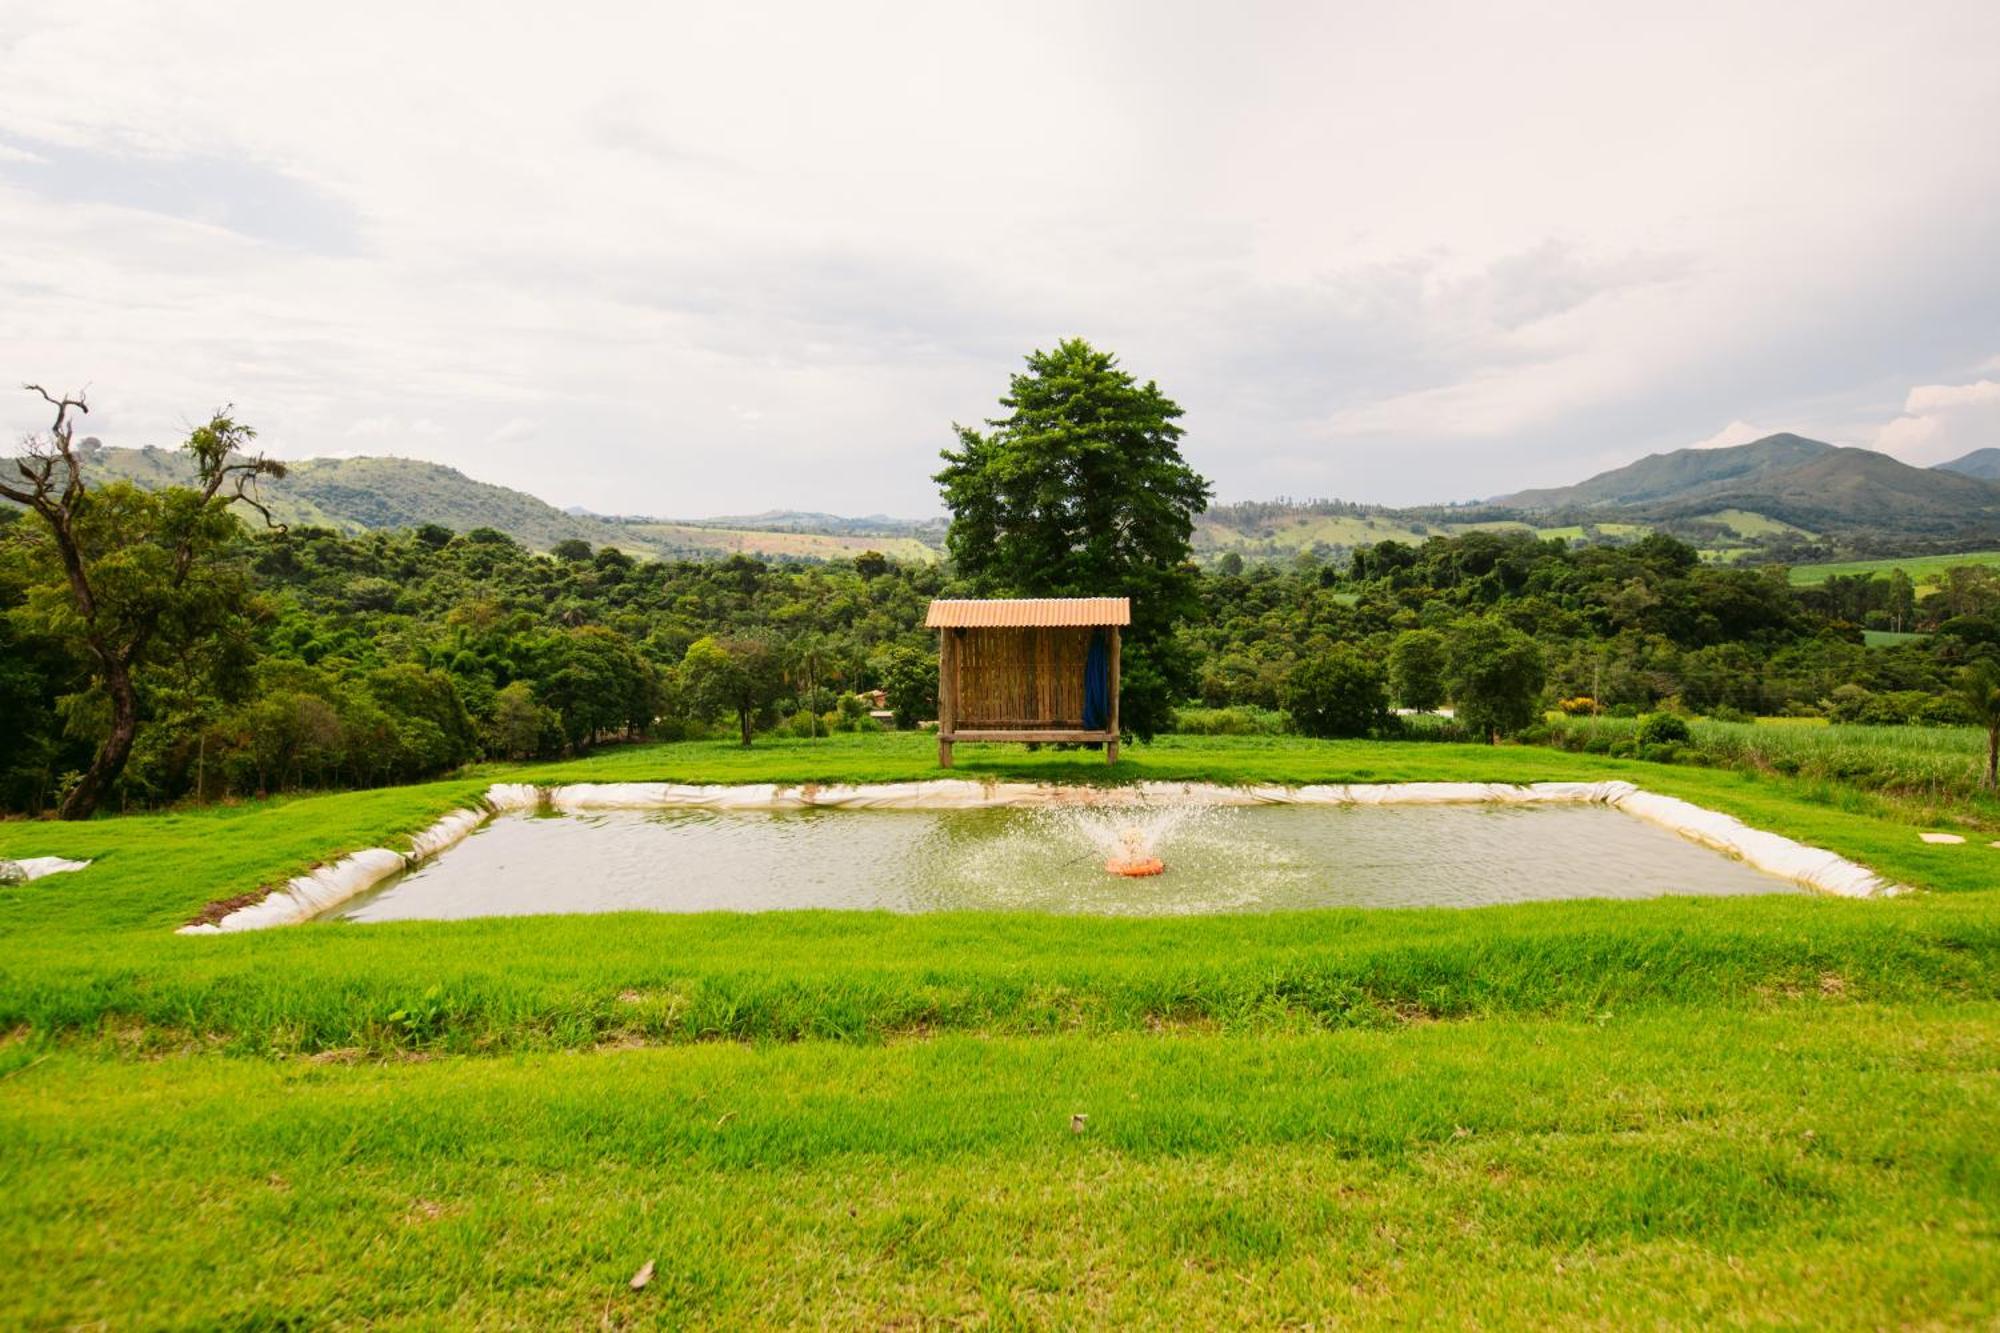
1032 669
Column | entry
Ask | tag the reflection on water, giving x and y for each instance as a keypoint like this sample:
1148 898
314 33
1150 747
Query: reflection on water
1219 859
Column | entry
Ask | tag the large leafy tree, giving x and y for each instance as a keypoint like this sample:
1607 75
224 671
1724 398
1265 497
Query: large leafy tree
1338 693
130 571
1079 490
1495 675
742 674
1417 661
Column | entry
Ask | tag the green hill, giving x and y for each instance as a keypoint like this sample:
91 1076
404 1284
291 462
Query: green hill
1784 485
1860 489
1674 476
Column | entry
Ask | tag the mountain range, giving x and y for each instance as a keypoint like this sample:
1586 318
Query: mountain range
1801 482
361 494
1781 496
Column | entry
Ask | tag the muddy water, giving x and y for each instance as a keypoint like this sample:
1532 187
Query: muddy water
1218 860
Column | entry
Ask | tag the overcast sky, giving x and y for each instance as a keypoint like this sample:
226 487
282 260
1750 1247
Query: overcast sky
695 260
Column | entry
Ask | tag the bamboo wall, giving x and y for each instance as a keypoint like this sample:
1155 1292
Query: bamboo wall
1019 678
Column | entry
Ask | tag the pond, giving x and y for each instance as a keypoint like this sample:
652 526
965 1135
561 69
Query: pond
1217 858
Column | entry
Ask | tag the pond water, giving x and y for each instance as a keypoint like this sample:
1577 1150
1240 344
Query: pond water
1218 859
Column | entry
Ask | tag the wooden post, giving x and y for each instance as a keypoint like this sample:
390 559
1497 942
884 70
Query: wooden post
947 693
1111 746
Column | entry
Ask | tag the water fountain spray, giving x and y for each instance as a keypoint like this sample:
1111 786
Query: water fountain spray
1129 844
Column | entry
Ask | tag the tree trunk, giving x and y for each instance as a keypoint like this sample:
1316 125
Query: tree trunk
109 761
743 723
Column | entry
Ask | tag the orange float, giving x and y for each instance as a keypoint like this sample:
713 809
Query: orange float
1138 868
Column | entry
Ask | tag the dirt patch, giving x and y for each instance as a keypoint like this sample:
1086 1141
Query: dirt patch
339 1055
212 914
624 1041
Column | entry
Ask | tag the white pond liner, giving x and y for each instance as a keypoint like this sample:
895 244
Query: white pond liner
34 867
328 886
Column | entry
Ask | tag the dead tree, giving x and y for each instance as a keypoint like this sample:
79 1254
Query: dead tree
49 481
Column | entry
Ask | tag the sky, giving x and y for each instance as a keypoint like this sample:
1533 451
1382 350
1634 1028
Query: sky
685 261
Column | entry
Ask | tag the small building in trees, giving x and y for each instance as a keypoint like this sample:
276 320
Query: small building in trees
1028 669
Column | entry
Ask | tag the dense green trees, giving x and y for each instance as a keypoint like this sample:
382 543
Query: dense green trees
542 656
395 655
1079 490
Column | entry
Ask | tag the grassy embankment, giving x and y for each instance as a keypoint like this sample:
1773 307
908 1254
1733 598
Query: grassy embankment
1921 774
1768 1110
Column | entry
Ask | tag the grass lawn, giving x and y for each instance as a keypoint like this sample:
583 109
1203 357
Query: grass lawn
1762 1110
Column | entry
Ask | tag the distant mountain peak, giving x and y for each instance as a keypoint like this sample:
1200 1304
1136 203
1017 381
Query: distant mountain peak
1674 474
1981 463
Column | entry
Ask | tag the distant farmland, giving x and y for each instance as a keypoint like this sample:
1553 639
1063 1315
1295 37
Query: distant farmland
1924 570
702 539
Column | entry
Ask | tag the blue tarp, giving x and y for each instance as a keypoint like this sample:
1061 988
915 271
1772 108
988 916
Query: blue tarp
1097 683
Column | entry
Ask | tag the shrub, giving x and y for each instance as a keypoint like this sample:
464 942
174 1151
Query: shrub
911 679
681 729
1665 729
1242 720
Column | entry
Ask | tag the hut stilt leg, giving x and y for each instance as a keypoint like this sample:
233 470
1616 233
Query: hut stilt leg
944 753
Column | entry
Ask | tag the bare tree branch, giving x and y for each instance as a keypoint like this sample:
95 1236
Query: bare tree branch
37 464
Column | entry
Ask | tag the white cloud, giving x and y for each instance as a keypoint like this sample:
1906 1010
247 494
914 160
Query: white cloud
1941 422
1736 432
731 258
513 430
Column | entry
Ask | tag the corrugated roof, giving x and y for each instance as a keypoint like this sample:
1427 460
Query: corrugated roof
1029 612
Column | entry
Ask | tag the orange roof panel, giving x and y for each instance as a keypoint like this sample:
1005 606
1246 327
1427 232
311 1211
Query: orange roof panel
1029 612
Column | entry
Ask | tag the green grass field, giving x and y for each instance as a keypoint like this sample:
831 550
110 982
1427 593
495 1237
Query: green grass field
1750 1110
1922 569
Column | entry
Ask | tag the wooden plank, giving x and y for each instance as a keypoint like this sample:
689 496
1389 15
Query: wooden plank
1047 734
947 693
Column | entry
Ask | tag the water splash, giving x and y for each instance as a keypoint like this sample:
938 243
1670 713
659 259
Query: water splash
1053 859
1130 839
